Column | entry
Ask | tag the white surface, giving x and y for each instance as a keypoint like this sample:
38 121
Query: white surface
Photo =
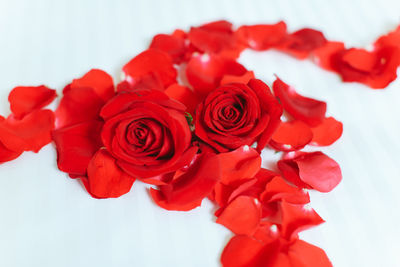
47 219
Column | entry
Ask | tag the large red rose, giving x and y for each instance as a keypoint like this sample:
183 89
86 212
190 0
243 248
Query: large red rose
238 114
148 134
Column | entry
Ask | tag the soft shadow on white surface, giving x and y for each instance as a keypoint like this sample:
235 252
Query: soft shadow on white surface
47 219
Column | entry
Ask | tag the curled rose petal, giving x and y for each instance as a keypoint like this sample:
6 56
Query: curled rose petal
28 134
309 110
277 190
173 45
297 218
217 38
25 99
187 191
324 56
291 136
242 215
391 39
184 95
153 62
7 155
76 145
304 254
312 170
243 250
327 132
204 72
301 43
106 179
100 81
241 163
245 78
262 37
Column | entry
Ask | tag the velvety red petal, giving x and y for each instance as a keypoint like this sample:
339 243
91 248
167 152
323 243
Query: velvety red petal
304 254
245 78
239 164
244 251
78 105
391 39
309 110
76 145
25 99
100 81
302 42
170 44
277 189
327 132
297 218
187 191
204 72
7 155
106 179
319 171
29 134
312 170
271 106
324 56
262 37
151 61
291 136
184 95
242 215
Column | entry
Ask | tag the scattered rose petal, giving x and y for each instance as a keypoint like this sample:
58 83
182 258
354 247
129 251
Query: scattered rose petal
106 179
312 170
291 136
25 99
327 132
309 110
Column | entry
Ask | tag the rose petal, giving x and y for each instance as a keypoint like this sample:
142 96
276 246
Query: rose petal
277 190
291 136
312 170
327 132
204 72
25 99
242 215
297 218
391 39
302 42
239 164
246 251
262 37
245 78
188 190
100 81
106 179
7 155
309 110
304 254
151 62
170 44
29 134
76 145
325 55
184 95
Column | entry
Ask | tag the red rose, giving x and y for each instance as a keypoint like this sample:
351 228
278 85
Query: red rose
147 133
237 114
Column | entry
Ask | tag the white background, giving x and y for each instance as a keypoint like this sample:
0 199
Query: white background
47 219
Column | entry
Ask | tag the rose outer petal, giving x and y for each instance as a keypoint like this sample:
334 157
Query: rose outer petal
100 81
309 110
106 179
290 136
25 99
